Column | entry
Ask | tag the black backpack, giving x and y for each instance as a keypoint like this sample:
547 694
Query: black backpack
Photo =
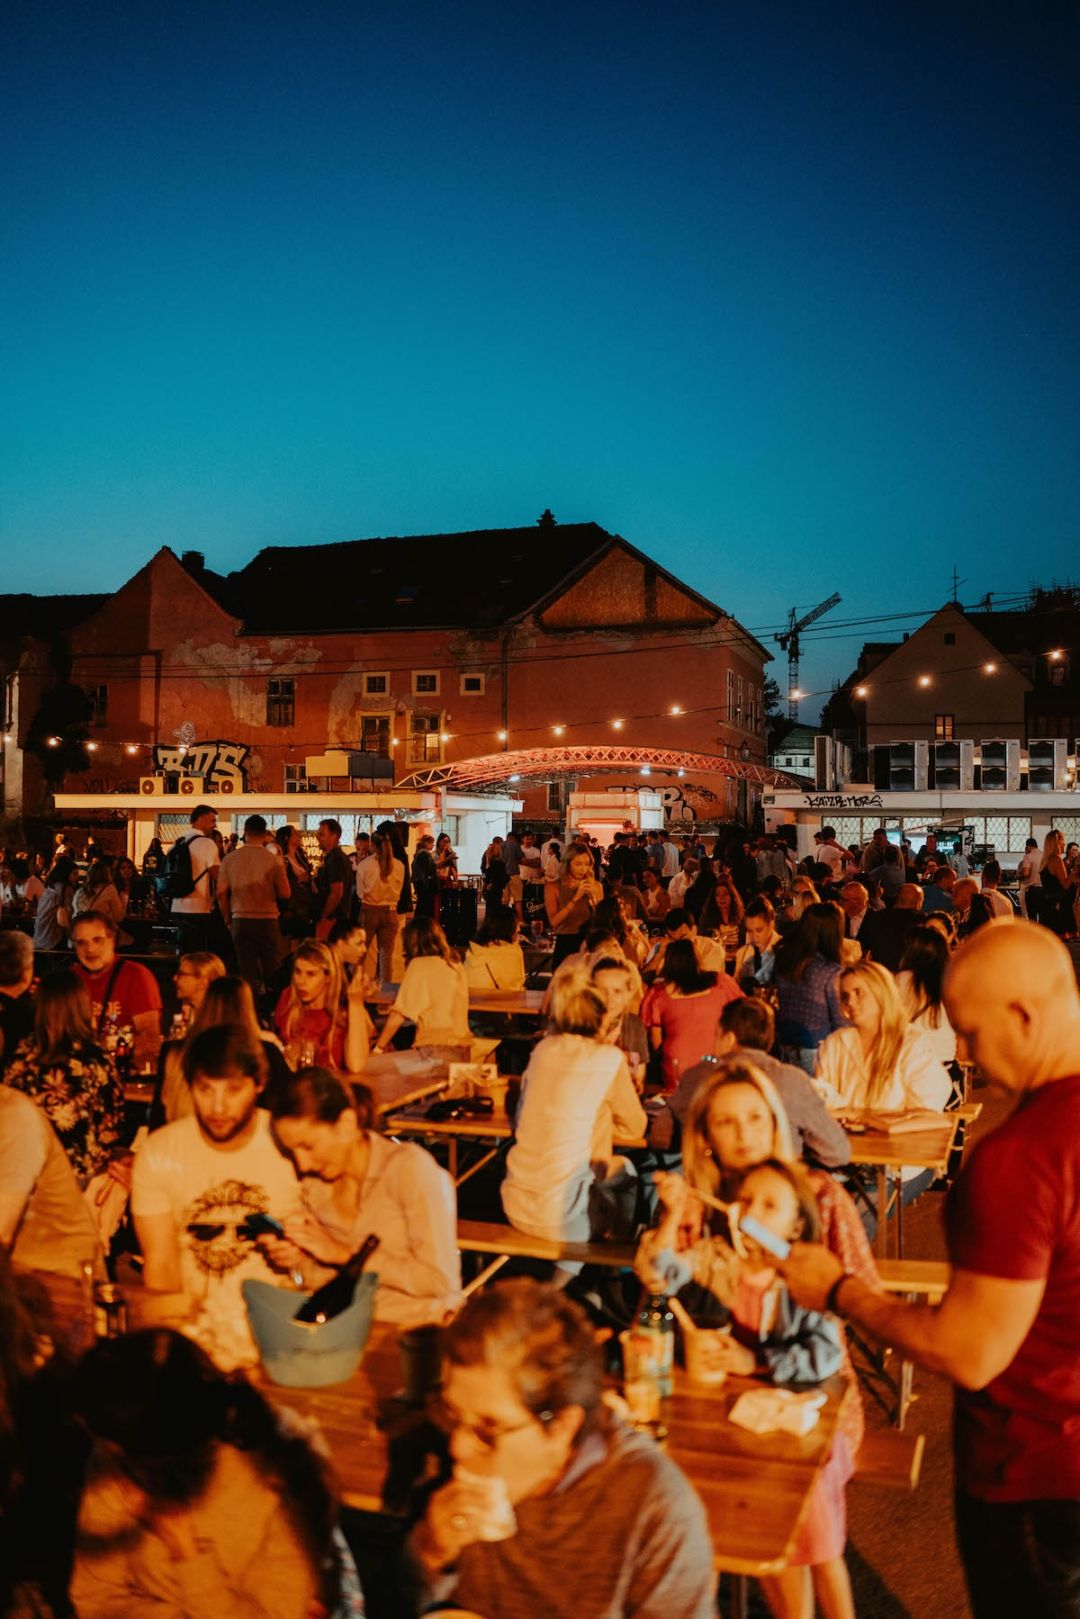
180 879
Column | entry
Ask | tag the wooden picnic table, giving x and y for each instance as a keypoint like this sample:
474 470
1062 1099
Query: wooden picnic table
889 1152
491 1130
755 1488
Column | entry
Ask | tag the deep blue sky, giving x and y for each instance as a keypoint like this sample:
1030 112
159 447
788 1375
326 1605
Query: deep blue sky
787 294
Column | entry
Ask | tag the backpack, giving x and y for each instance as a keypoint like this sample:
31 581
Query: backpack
180 879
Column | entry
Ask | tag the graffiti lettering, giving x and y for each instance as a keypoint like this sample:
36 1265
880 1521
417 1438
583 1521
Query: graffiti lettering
215 762
830 801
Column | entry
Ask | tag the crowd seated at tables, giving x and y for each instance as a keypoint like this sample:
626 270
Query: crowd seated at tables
720 1031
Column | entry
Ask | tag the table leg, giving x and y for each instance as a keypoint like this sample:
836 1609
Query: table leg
452 1159
881 1236
907 1375
740 1596
474 1169
899 1215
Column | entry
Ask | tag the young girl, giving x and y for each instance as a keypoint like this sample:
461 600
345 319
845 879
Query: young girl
770 1336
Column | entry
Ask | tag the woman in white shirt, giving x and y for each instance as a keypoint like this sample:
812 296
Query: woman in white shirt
880 1063
433 994
563 1178
379 881
919 981
494 960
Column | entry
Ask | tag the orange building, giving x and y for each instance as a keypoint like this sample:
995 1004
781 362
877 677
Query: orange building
411 653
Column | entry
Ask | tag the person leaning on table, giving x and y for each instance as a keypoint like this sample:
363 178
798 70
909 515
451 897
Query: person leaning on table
607 1525
1008 1329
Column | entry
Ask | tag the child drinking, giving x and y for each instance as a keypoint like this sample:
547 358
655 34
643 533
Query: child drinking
770 1336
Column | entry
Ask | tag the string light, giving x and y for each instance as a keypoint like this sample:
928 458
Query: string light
924 680
1057 655
444 736
796 695
502 736
860 691
616 725
53 742
131 747
675 709
91 747
557 730
990 668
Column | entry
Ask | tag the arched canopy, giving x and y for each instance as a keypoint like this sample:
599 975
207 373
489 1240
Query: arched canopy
507 770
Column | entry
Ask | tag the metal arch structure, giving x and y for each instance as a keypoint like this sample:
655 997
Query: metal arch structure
505 770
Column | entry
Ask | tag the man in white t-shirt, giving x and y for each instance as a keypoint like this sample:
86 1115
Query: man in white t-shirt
196 1184
194 911
830 854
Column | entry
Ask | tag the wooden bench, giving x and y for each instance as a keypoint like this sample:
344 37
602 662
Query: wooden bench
915 1278
890 1459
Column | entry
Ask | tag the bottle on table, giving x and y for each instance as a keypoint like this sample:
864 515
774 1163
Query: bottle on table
338 1293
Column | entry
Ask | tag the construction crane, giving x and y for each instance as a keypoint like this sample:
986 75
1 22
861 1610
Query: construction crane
789 643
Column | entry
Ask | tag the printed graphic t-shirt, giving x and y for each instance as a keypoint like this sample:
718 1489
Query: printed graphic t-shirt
210 1193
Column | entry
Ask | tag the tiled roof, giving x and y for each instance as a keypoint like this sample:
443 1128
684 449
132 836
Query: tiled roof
482 578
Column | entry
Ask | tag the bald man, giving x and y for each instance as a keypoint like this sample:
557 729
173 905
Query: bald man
1008 1330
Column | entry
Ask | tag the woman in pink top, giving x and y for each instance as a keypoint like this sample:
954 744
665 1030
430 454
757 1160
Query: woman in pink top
682 1009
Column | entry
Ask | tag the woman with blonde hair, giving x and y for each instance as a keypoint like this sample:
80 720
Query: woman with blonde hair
735 1123
316 1022
571 900
1058 891
226 1000
564 1180
880 1061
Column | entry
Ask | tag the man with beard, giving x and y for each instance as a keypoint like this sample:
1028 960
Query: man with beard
196 1184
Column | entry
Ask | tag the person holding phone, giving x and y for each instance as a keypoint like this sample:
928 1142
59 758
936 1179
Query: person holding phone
571 900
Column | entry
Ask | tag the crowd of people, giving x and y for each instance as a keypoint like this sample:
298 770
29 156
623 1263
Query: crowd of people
723 1008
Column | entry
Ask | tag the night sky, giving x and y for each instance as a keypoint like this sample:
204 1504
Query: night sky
784 293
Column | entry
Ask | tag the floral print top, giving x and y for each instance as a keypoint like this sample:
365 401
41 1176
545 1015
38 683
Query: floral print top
83 1099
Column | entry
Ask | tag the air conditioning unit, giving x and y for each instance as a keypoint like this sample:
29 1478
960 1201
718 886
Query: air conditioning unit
1000 772
151 786
902 767
1048 765
954 766
191 787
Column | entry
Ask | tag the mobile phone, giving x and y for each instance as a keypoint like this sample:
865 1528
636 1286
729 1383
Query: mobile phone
263 1225
764 1238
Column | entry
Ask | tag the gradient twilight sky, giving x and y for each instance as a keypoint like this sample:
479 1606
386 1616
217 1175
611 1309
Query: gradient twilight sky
785 293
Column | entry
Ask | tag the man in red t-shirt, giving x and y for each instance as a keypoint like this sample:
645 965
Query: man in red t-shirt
1008 1330
121 992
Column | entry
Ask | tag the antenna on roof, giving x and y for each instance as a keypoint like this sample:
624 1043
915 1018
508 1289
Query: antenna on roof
546 518
956 583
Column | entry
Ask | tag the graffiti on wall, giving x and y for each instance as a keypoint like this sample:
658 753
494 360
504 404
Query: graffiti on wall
215 762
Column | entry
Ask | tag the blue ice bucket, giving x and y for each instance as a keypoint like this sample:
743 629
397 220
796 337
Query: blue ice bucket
303 1356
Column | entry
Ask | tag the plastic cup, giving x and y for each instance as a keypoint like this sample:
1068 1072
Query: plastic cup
496 1519
701 1350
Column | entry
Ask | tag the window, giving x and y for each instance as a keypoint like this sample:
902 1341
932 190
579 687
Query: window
375 734
730 695
739 702
98 699
296 778
472 685
425 682
280 701
950 637
425 742
377 684
943 727
556 796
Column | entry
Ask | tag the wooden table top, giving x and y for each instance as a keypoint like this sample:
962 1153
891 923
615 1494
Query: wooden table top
476 1127
905 1149
754 1487
510 1002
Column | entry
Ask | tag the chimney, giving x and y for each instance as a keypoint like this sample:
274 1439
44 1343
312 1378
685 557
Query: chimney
193 561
